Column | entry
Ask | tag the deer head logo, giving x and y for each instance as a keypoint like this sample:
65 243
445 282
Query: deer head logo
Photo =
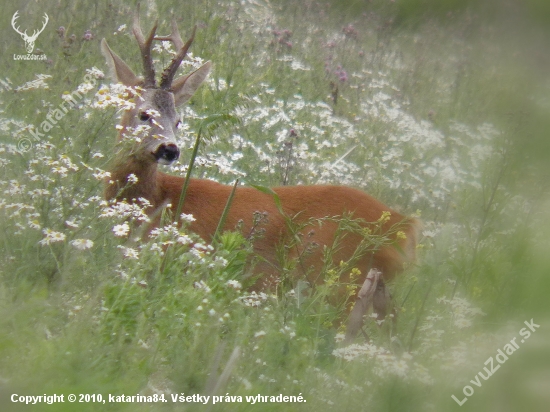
29 40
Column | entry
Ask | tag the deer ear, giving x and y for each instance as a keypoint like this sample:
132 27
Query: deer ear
184 87
119 71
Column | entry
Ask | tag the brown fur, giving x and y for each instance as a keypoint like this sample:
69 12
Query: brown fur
206 199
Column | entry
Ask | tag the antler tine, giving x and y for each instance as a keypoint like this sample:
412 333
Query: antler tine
38 31
145 47
14 22
170 71
174 37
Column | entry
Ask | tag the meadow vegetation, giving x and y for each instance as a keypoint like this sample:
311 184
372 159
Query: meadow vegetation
440 112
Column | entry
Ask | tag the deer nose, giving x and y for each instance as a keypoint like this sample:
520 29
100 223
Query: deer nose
167 153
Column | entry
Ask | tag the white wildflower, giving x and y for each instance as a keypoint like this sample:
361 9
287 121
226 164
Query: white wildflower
121 230
187 217
129 252
52 236
82 244
234 284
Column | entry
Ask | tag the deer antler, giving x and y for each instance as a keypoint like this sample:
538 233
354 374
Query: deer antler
13 22
174 37
37 32
145 47
24 34
170 71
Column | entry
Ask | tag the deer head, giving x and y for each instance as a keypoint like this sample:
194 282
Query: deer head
155 106
29 40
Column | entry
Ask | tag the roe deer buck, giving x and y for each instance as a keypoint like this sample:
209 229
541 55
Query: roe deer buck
206 199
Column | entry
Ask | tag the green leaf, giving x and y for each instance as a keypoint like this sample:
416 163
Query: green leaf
269 191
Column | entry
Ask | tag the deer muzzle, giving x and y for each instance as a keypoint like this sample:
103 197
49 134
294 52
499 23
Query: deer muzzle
167 154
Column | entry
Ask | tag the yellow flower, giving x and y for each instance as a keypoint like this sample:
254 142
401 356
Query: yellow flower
386 215
355 273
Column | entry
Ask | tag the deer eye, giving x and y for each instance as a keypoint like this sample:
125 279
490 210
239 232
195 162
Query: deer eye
144 116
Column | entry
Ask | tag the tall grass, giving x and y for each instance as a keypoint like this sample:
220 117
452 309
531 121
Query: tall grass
440 112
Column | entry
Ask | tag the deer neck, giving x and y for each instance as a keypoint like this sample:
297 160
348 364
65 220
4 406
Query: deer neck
147 186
